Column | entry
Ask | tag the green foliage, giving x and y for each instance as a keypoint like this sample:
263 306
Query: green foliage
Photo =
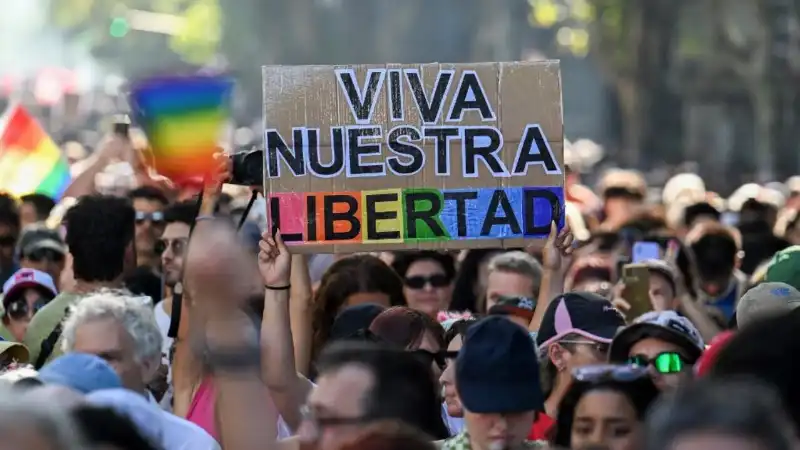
196 42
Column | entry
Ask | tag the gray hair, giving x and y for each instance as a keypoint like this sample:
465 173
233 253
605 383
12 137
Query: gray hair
54 424
134 313
520 263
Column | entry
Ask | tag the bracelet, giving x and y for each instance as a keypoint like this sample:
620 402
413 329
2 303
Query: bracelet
278 288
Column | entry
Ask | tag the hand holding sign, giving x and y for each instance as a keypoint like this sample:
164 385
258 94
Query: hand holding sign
274 261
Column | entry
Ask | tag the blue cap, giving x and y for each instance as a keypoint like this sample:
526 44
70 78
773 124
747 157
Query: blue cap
80 371
497 370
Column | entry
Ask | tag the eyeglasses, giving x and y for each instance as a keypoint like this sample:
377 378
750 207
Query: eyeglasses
178 246
19 309
8 241
664 363
308 415
609 372
440 358
419 281
153 217
44 254
599 347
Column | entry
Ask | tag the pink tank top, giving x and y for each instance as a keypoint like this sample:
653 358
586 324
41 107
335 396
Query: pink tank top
202 411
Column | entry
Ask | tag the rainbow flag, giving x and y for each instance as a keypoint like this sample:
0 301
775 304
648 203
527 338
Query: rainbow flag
183 118
30 162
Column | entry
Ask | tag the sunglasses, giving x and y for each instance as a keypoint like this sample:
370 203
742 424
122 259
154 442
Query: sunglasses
154 217
609 372
178 246
440 358
664 363
44 254
419 281
8 241
19 309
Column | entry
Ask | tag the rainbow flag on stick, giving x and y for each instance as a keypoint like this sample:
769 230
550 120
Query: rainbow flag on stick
183 118
30 162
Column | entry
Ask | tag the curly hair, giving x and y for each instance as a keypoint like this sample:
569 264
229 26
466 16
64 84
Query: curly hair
351 275
99 230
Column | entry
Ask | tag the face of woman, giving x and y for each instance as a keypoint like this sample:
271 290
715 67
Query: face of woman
605 419
20 311
448 382
427 288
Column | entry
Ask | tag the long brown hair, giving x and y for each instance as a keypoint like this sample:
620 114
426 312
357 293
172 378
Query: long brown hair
347 276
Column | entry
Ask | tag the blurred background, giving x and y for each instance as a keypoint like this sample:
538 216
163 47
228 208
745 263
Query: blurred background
660 85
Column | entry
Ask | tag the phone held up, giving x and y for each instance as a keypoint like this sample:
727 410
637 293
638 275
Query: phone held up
636 278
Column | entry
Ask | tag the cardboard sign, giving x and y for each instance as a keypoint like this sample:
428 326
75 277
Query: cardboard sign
362 158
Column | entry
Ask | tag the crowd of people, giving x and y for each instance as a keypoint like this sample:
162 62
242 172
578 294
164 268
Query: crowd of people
147 317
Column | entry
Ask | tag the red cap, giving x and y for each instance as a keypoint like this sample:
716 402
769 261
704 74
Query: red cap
709 357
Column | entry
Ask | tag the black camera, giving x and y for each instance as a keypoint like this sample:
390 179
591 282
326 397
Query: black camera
248 168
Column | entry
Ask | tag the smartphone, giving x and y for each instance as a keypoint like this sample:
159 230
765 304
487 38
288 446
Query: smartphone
122 125
636 278
644 250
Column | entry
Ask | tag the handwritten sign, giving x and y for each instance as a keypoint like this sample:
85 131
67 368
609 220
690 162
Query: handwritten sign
413 156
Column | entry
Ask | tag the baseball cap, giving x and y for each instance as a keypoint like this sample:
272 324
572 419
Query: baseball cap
38 236
28 278
665 325
582 313
354 319
497 370
785 267
14 351
766 299
514 306
81 372
709 356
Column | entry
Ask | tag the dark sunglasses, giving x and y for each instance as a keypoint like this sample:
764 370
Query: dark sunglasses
8 241
178 246
44 254
18 309
154 217
664 363
419 281
440 358
609 372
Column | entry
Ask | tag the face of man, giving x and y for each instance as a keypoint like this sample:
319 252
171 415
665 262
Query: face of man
149 226
173 241
336 406
109 340
507 284
48 261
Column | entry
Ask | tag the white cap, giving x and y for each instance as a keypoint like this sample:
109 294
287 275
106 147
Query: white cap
27 278
683 185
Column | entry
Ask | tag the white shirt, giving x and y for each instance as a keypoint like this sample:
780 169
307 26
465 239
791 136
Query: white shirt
163 319
180 434
170 431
